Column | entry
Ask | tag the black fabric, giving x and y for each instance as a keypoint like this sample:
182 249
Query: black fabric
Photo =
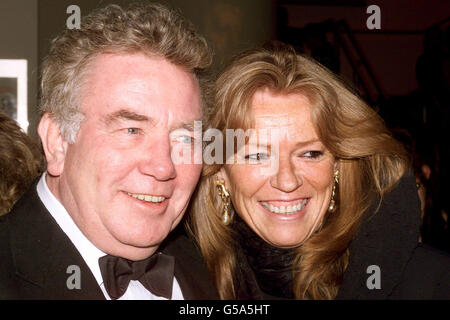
387 238
35 255
271 266
190 270
155 273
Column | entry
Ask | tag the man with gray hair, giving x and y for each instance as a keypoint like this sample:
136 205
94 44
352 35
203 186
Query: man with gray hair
118 95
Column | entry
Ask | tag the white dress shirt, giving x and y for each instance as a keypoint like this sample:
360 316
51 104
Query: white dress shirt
89 252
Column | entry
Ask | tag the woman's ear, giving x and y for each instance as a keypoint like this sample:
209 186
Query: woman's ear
54 145
336 165
222 175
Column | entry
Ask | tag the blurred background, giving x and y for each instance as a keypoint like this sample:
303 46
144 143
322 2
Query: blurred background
401 69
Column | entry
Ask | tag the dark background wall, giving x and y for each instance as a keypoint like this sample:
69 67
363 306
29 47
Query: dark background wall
391 51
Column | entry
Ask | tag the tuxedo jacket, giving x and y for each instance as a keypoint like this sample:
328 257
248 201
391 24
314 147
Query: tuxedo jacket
36 255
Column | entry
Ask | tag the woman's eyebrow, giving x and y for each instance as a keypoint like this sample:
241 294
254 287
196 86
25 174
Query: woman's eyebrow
300 143
308 142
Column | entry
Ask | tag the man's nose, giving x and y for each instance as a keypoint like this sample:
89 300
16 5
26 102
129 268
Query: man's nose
156 159
286 179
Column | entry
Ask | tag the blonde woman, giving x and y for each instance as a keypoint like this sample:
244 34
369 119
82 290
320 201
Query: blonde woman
322 207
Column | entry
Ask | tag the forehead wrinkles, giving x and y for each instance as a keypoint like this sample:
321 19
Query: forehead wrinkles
271 126
288 114
285 126
273 121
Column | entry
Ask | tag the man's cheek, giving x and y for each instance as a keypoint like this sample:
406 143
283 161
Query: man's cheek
111 161
189 171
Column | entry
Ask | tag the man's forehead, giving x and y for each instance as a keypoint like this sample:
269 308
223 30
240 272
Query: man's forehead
188 122
133 67
151 87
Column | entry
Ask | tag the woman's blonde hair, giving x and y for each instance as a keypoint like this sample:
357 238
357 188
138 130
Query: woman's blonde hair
370 164
149 28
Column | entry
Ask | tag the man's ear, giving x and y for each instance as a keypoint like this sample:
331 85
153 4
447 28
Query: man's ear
54 145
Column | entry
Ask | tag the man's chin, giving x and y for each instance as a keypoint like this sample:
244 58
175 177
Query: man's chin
136 251
136 246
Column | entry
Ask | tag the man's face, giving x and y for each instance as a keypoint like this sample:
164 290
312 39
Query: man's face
119 182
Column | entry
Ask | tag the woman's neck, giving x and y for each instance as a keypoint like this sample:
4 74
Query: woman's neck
271 265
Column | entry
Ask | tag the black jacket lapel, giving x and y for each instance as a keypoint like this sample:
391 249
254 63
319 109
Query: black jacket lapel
41 254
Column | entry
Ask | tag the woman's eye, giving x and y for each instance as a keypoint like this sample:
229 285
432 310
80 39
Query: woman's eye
313 154
133 130
257 156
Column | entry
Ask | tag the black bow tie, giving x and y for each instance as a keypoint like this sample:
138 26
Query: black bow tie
155 273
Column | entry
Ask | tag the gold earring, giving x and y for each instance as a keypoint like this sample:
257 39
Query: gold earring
332 206
225 196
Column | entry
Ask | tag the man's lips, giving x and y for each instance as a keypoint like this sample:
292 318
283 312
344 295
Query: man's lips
147 197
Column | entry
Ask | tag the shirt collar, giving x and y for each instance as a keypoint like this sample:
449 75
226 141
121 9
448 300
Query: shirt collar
88 251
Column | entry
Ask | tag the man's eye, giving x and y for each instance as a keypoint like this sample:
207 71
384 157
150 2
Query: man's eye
313 154
133 130
185 139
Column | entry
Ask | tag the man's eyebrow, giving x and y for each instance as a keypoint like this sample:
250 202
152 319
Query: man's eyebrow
124 114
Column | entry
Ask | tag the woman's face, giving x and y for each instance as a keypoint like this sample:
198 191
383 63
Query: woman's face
281 194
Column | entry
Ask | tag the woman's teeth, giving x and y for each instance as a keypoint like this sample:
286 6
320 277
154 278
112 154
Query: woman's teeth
146 197
284 209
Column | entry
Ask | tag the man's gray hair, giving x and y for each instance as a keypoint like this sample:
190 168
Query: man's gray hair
151 29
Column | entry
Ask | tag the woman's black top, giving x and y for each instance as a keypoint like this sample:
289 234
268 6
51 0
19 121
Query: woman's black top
266 270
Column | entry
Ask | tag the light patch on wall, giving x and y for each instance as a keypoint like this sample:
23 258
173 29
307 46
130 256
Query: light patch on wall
13 90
